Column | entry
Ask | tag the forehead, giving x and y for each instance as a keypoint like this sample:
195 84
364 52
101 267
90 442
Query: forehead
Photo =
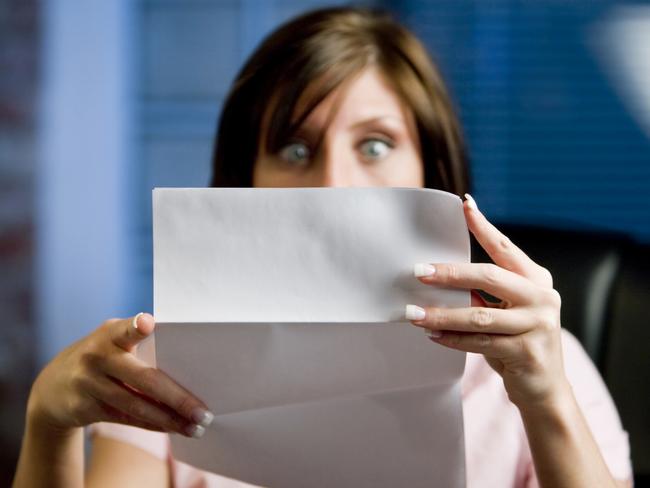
365 96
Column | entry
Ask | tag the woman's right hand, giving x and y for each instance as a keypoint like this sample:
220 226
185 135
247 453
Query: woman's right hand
99 379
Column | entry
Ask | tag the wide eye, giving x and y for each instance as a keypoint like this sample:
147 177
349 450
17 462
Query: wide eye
374 149
295 153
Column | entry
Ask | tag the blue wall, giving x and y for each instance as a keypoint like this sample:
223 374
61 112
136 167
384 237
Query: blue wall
550 137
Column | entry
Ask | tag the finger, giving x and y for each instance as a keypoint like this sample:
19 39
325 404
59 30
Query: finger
498 246
158 386
127 333
490 345
106 413
476 319
489 277
134 406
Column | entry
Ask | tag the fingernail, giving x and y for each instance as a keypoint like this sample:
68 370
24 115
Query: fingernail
471 203
434 334
202 416
135 320
421 270
413 312
195 431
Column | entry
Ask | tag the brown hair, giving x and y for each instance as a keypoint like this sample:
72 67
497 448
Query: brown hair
331 46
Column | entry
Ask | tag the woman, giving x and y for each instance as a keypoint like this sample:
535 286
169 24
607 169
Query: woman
347 97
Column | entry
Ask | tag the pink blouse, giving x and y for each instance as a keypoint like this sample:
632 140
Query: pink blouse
497 451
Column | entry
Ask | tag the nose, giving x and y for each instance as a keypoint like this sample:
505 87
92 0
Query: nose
337 168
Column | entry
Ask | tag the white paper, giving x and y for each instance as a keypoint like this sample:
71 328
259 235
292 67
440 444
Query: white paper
283 310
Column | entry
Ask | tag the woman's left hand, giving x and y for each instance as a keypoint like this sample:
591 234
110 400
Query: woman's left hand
519 337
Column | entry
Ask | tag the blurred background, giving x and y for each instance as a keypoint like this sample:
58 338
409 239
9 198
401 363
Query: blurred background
100 101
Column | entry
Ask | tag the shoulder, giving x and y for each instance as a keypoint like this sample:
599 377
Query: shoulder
597 406
118 448
155 443
588 386
483 392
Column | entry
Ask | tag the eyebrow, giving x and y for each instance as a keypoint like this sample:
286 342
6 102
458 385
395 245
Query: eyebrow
307 132
312 133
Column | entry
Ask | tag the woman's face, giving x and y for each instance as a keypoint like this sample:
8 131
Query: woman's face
368 139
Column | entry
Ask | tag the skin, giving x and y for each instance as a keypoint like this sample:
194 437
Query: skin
367 139
95 380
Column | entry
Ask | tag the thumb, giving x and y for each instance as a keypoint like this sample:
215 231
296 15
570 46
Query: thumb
127 333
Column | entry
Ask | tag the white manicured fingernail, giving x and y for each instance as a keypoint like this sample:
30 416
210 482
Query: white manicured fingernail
196 431
135 320
202 416
423 269
434 334
413 312
471 203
